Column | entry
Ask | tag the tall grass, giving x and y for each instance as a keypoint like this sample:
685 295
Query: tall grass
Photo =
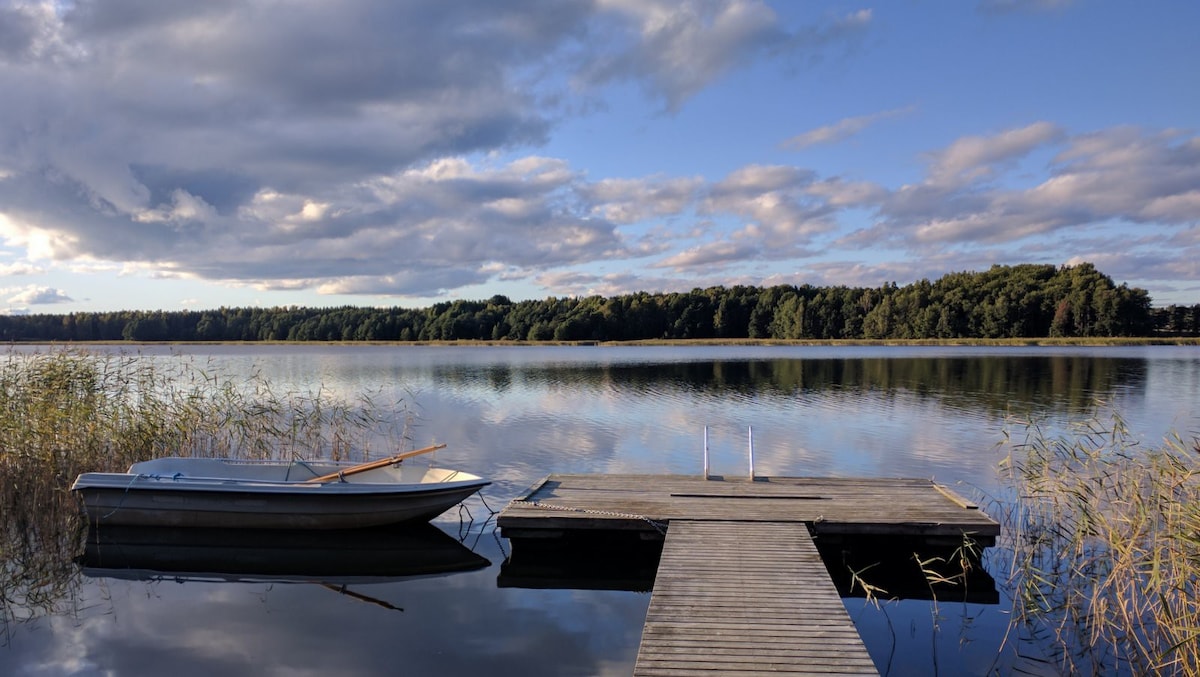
1101 547
67 412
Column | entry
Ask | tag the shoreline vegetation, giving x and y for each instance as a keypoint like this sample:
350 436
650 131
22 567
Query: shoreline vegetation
1100 537
1100 548
67 412
1023 302
1099 341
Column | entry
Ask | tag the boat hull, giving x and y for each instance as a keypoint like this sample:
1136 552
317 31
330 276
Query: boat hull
149 499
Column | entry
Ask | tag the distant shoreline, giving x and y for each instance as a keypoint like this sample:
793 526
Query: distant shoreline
966 342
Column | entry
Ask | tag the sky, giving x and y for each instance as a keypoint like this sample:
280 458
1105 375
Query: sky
163 154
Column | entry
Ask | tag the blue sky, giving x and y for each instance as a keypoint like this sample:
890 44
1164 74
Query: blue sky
171 155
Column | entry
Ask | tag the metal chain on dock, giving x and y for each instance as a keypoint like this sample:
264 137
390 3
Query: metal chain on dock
660 527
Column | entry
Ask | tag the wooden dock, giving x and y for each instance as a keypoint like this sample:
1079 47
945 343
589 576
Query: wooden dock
741 588
883 506
746 598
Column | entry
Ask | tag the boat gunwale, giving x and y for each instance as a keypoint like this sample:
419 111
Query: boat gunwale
149 482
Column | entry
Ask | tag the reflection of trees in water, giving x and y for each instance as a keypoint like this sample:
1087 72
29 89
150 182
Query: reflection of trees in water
995 384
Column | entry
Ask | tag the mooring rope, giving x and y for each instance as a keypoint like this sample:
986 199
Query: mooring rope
492 511
123 495
660 527
156 476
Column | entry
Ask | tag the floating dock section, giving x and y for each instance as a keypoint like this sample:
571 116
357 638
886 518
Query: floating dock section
740 587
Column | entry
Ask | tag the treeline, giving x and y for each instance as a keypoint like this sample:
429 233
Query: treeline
1023 301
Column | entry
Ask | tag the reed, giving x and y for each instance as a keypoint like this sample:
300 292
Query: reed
1101 549
67 412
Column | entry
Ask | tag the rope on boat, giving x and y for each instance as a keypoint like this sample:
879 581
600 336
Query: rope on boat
660 527
123 495
303 464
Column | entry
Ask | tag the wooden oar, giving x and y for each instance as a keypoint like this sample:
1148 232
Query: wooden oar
371 465
341 589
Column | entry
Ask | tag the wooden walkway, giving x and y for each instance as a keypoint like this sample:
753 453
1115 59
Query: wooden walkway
741 588
738 598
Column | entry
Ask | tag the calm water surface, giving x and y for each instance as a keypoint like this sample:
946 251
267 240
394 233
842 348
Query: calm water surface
516 414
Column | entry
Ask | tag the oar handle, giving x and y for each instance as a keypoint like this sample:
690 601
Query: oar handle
371 465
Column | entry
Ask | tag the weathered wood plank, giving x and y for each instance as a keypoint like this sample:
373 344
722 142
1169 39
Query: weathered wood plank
900 506
741 589
746 598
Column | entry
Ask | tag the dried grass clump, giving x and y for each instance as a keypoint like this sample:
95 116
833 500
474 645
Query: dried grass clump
1101 539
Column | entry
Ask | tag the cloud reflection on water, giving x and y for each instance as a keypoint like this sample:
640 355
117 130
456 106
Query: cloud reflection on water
517 414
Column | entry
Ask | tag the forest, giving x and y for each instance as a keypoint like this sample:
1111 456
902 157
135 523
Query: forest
1020 301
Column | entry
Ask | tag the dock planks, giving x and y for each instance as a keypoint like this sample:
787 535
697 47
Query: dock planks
900 506
741 588
746 598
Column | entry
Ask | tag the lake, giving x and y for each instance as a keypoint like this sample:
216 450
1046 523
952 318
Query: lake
515 414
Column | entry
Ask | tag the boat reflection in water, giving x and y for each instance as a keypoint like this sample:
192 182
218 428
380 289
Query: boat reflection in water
377 554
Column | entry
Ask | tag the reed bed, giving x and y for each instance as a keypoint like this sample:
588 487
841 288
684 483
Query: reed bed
1101 549
67 412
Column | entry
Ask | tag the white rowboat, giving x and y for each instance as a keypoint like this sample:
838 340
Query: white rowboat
223 493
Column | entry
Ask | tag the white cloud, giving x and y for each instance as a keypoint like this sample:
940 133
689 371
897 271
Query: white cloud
682 46
187 134
711 254
451 223
1120 174
35 295
855 273
838 193
18 268
776 204
973 158
183 207
1002 6
632 200
571 283
337 147
840 130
